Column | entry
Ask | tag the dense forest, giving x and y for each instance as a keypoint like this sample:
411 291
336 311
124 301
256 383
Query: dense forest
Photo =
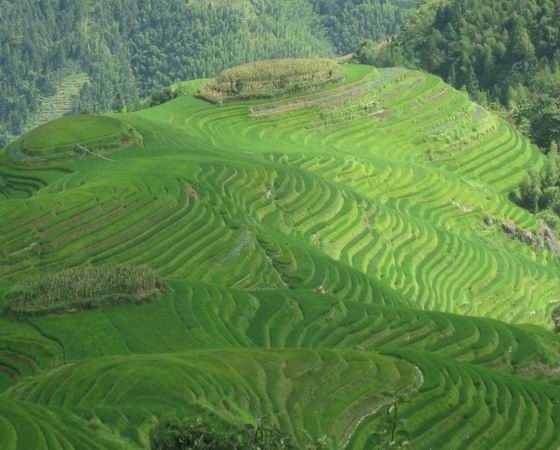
348 22
58 56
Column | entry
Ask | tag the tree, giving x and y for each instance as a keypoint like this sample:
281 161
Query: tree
118 105
521 47
531 192
471 82
503 52
553 167
391 433
452 77
556 318
162 96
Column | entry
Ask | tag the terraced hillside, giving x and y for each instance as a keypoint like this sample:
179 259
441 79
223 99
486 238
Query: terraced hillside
322 253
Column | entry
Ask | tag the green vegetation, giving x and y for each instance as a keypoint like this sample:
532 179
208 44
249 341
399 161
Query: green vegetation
505 56
71 136
391 434
130 48
77 289
205 434
540 194
52 107
274 78
501 52
348 23
70 130
163 96
60 57
337 261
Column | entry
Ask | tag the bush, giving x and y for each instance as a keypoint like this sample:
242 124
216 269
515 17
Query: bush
84 288
556 318
138 105
209 433
163 96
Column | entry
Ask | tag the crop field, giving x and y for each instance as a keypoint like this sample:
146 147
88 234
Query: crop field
274 78
323 254
68 137
73 290
70 129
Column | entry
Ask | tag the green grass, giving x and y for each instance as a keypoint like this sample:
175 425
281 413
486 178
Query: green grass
70 137
264 357
320 251
70 130
235 385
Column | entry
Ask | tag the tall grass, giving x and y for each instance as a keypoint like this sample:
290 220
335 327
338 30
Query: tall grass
83 288
266 79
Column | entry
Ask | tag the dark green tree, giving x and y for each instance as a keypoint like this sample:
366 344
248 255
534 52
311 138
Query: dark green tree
119 105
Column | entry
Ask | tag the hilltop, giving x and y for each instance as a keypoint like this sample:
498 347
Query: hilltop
327 255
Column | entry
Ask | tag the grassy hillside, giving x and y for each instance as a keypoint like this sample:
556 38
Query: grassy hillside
323 254
69 138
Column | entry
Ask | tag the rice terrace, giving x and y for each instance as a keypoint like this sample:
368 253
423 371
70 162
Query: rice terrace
329 249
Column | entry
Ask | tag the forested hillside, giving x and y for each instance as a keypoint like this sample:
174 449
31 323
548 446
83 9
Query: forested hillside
58 56
504 52
348 22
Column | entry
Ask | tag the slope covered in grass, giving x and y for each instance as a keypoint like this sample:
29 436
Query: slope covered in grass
69 130
359 235
69 138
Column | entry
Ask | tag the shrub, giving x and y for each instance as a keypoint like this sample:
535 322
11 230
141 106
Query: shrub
209 433
163 96
83 288
138 105
556 318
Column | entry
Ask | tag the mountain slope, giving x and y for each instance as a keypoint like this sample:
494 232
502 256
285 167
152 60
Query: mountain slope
331 236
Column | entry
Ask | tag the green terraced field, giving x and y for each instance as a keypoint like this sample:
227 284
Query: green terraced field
69 138
69 130
322 254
